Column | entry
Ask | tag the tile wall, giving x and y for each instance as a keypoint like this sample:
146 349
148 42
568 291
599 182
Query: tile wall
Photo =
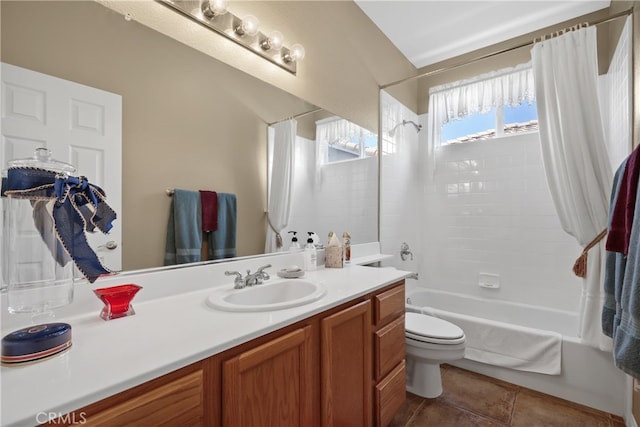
343 197
400 201
488 210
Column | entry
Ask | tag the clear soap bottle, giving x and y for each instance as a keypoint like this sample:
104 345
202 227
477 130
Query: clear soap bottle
295 246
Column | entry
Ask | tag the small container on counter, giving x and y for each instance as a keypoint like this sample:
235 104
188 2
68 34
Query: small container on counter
346 241
333 253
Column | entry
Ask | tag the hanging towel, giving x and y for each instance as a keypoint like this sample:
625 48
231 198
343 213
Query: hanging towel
209 200
222 242
505 344
624 207
615 263
622 284
184 229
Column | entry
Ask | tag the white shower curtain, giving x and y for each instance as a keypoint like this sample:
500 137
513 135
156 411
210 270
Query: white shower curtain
280 183
575 157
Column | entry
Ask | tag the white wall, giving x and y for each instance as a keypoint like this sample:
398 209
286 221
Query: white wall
615 92
400 201
344 195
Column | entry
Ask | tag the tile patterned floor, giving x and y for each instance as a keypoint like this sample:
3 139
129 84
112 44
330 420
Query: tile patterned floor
471 399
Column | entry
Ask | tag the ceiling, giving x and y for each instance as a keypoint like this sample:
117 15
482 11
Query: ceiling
430 31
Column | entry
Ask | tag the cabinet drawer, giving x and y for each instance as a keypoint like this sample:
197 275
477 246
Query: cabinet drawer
389 347
390 395
179 402
389 304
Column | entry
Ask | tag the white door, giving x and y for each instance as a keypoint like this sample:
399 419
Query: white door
81 125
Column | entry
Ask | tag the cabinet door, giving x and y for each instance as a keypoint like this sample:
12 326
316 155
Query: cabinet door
270 384
346 367
173 400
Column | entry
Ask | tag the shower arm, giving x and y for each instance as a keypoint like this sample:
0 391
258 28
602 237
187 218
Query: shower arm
404 123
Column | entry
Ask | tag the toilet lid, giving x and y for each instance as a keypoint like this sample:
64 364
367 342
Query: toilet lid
422 325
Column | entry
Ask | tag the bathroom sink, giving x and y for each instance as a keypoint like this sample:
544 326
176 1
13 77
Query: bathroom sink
271 295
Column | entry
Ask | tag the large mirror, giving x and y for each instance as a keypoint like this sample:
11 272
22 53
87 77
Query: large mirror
188 121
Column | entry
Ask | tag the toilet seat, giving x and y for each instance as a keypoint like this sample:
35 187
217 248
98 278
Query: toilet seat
425 328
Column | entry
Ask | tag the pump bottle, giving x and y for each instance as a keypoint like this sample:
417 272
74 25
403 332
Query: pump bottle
295 246
310 254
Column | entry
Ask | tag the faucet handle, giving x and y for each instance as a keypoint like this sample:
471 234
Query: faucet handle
263 275
238 281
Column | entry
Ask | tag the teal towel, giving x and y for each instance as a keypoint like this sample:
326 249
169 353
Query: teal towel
222 242
184 229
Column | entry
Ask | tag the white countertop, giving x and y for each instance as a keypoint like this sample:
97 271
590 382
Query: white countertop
172 328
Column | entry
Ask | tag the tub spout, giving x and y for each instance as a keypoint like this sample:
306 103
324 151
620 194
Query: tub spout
413 276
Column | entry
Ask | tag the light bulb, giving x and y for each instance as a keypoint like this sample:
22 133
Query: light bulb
249 26
274 41
297 52
213 8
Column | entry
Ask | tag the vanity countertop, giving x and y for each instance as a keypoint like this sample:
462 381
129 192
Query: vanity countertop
172 328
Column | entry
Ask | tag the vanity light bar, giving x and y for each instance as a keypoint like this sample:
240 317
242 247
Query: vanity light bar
241 31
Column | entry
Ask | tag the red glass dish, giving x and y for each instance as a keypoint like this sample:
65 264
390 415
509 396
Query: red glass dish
117 300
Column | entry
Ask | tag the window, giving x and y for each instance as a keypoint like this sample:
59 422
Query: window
339 139
479 126
487 106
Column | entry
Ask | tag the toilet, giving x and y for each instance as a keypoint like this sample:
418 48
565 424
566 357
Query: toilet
430 341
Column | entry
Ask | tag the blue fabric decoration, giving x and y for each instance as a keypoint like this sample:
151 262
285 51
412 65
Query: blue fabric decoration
222 242
615 263
184 229
78 207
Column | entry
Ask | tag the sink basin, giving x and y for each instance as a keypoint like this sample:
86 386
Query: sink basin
271 295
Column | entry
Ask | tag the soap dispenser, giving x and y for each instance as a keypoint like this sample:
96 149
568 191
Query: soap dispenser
295 246
310 255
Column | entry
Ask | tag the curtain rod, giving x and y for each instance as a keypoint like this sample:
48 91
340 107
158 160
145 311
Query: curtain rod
499 52
296 116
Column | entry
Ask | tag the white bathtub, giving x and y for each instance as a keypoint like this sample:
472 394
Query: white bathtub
588 375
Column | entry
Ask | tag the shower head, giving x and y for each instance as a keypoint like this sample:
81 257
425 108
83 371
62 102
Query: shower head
418 127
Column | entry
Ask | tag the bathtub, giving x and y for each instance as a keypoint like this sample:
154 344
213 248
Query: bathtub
588 376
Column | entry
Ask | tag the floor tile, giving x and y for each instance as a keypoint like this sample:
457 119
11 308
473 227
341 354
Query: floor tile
478 393
474 400
405 413
438 413
536 409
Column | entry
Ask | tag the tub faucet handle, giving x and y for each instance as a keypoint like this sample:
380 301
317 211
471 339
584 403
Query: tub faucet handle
404 251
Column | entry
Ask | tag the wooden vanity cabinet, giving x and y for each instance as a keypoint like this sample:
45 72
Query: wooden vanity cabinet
269 385
342 367
389 350
346 367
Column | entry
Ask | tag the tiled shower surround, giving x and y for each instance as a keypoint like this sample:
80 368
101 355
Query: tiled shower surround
488 210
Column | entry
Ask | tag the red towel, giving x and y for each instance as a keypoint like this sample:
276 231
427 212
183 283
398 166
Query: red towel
624 209
209 200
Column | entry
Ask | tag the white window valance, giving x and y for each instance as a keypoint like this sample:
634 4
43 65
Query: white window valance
510 86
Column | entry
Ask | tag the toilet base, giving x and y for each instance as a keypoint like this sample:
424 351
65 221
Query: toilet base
424 379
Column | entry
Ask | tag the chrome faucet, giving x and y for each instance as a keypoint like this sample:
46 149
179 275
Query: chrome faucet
250 279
